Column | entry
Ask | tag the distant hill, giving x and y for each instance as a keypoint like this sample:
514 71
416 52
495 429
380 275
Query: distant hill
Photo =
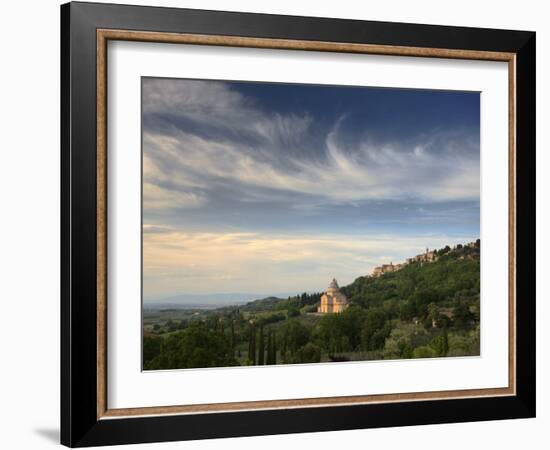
211 301
261 304
200 301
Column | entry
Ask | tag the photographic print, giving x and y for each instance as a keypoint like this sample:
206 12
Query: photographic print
298 224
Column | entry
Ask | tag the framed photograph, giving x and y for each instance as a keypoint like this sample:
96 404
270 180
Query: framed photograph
276 224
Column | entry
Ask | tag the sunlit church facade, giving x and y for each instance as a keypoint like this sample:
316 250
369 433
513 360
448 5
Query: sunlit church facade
333 301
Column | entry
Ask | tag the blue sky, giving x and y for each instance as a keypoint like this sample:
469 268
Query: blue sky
269 187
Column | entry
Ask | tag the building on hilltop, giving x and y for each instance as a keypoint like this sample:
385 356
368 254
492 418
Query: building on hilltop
333 301
428 256
386 268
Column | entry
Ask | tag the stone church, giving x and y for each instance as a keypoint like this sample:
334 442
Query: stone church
333 301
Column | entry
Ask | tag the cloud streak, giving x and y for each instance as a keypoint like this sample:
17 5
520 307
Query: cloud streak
213 106
367 172
269 188
441 167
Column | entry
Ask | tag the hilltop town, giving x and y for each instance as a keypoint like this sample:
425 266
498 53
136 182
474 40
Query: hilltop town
427 257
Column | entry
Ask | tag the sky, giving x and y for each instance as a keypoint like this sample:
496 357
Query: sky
274 188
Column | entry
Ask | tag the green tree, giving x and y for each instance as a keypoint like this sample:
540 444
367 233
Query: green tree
309 353
476 308
293 309
196 346
444 250
296 335
407 310
399 343
423 352
375 330
462 316
274 349
261 347
445 342
233 337
440 344
271 349
151 348
252 344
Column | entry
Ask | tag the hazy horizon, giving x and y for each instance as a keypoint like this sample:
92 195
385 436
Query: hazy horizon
219 297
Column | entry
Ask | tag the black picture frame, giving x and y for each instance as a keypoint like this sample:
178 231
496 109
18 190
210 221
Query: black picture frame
80 425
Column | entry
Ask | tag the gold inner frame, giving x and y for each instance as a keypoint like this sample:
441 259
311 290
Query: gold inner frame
104 35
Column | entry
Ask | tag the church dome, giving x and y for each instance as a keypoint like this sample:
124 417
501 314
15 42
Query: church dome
333 286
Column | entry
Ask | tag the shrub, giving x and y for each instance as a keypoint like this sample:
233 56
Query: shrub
423 352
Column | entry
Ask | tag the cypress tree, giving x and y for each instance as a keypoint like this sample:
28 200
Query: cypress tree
445 343
252 345
274 350
232 334
269 348
261 348
249 345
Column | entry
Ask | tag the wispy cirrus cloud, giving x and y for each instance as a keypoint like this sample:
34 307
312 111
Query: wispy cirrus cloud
277 152
157 197
213 107
366 172
251 186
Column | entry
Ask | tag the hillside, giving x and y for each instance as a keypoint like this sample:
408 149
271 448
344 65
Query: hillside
424 309
453 278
